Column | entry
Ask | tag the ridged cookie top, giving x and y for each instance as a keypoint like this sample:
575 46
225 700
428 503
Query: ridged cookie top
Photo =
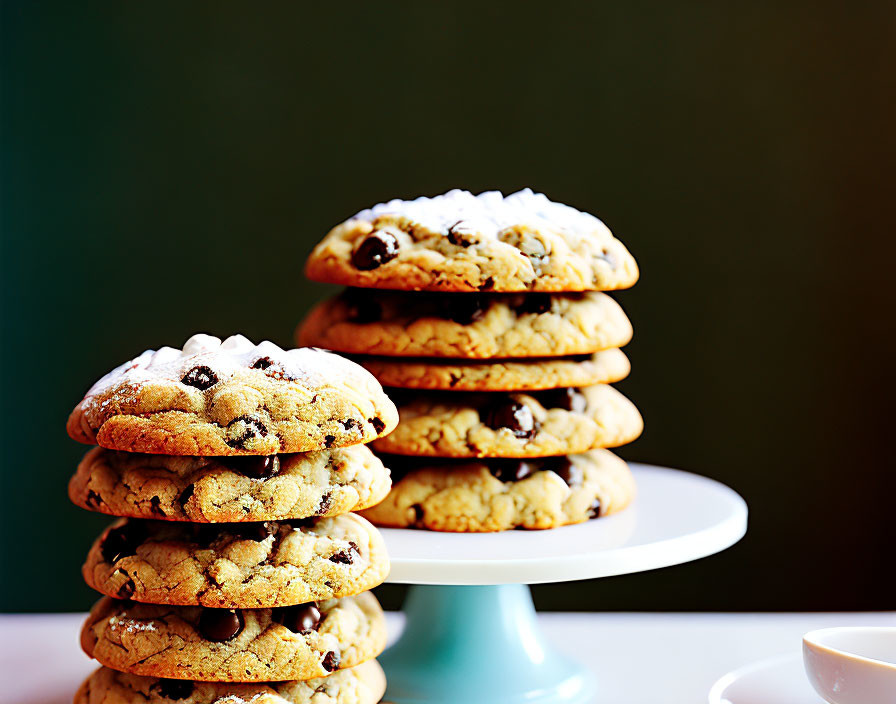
232 397
461 242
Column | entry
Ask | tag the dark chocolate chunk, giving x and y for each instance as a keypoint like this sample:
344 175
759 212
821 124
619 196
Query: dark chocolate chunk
568 399
510 414
458 237
202 377
242 429
378 425
219 625
302 618
377 248
330 661
464 308
568 472
329 440
418 513
123 541
173 689
344 557
262 363
185 495
155 505
512 470
254 467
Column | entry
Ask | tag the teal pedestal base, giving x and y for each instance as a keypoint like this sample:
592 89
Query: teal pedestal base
478 645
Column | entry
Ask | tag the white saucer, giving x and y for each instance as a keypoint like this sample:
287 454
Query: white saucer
779 680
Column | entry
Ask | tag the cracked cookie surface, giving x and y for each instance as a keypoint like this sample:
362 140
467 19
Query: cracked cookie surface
245 645
232 398
471 326
501 375
461 242
242 565
222 490
499 494
552 422
363 684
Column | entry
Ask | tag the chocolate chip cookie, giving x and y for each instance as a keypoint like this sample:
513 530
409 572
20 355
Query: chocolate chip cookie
537 424
232 398
237 565
461 242
229 489
501 494
501 375
362 684
470 326
242 645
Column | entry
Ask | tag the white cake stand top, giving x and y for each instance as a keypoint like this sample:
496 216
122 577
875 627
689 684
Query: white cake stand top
677 517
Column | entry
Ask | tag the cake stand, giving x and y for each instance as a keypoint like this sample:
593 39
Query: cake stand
471 634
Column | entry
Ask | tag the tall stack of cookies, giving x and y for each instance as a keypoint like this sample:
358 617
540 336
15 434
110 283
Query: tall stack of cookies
487 316
237 572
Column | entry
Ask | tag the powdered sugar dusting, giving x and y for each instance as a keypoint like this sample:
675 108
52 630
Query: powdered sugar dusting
488 213
223 357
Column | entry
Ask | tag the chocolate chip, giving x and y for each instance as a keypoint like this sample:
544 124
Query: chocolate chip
378 425
126 590
219 625
512 470
325 504
510 414
301 619
330 661
123 541
329 440
349 424
458 237
418 513
93 499
262 363
464 308
377 248
536 303
173 689
255 531
185 495
568 472
243 429
487 285
594 509
155 505
254 467
343 557
202 377
568 399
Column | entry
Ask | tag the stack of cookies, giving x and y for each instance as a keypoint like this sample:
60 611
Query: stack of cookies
237 572
486 315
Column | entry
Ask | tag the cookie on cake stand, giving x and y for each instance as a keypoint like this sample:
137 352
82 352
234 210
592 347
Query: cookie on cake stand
471 633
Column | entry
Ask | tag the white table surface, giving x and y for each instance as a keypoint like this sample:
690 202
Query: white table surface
638 658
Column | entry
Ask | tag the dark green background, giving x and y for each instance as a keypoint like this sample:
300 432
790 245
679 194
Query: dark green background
168 166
